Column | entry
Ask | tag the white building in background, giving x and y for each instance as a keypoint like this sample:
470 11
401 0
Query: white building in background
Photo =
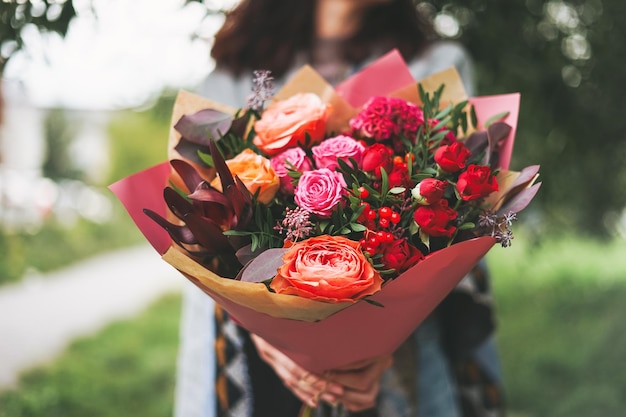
26 196
22 145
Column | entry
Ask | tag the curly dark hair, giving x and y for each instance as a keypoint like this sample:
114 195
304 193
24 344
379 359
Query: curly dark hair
269 33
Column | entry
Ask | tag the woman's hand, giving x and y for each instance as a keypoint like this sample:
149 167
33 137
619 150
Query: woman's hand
355 386
308 387
361 381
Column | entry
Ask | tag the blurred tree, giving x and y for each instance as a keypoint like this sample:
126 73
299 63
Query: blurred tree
59 134
565 57
16 15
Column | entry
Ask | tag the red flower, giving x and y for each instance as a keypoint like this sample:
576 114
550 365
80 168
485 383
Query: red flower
400 255
452 158
429 191
434 220
477 182
376 157
399 176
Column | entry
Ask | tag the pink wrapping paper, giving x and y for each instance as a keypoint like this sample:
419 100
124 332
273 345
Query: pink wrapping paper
361 330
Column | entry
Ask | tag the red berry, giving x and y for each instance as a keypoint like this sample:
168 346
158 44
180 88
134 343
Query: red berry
373 241
388 237
363 193
384 223
371 215
384 212
395 218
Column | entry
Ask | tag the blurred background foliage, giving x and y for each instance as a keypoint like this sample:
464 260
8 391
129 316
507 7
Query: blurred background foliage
560 315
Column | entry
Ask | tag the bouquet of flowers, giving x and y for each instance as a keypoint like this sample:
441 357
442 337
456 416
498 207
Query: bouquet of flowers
318 219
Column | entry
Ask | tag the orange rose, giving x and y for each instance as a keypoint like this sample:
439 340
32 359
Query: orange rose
255 172
286 123
327 268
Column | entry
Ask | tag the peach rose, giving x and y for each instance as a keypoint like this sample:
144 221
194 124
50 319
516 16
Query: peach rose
285 124
255 172
327 268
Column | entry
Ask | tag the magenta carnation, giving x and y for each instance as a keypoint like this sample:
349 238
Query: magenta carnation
387 117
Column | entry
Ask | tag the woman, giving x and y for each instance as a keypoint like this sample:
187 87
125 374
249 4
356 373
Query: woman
336 37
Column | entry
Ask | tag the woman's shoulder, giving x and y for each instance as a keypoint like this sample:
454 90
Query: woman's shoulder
440 55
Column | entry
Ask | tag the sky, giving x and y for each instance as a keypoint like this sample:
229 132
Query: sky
120 57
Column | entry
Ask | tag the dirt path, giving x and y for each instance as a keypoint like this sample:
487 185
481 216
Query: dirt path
42 314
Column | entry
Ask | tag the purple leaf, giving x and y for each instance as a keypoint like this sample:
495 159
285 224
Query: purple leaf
520 200
526 175
497 132
226 177
209 235
204 126
187 173
189 150
245 253
205 193
177 203
476 142
263 267
178 233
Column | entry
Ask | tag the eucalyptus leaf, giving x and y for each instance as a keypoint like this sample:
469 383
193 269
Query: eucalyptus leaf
204 125
263 266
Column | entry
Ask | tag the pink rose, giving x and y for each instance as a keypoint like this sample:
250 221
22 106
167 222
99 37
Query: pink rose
320 191
292 158
287 123
327 153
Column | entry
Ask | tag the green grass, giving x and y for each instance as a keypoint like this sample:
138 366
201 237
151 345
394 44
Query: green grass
560 310
126 370
561 337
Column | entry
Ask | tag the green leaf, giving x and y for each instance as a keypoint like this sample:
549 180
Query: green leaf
397 190
443 113
467 226
206 158
473 116
495 118
357 227
425 238
442 123
374 303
